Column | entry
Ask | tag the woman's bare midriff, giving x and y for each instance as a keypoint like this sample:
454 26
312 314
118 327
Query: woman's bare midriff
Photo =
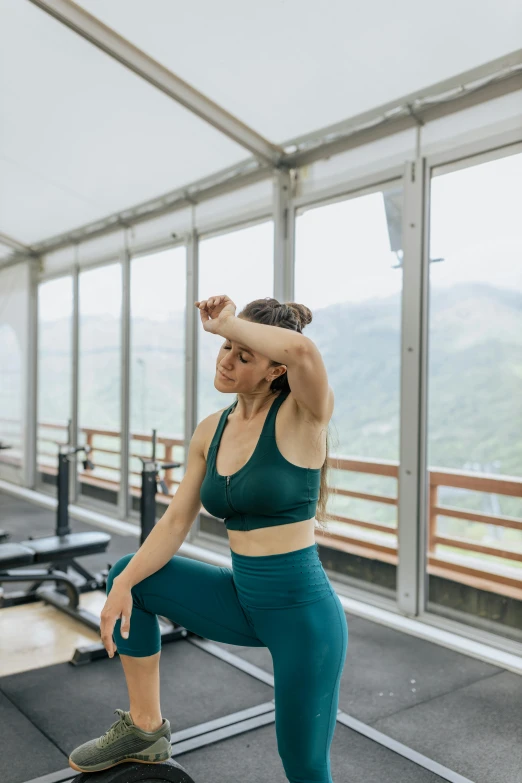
301 442
273 540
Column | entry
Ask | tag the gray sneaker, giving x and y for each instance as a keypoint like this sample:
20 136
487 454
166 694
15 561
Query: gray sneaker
123 742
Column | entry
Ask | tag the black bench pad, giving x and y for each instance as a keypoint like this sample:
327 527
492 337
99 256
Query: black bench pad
15 556
52 548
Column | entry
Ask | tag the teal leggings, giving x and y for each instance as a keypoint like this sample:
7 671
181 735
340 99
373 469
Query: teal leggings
284 602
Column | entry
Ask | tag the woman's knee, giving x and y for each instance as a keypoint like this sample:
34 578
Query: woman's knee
116 570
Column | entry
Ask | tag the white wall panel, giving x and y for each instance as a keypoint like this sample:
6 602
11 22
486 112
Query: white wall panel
236 206
359 162
109 246
160 230
480 122
58 262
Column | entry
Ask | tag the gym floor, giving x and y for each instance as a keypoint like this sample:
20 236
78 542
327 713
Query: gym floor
458 711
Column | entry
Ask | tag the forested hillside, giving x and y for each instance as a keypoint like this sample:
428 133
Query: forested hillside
475 375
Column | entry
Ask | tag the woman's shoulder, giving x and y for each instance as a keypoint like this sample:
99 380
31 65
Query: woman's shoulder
212 419
209 424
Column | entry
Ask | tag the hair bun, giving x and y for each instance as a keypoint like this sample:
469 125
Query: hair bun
268 310
303 313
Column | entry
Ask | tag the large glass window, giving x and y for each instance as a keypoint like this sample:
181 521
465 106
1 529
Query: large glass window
14 320
475 382
348 272
157 365
99 391
241 265
55 310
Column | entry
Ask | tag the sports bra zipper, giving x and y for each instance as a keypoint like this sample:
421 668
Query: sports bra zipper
228 498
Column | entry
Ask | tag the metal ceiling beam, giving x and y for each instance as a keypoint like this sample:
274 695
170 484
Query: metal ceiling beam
113 44
482 72
14 244
486 82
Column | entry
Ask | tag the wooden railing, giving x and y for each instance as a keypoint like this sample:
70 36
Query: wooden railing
478 572
504 577
508 486
104 442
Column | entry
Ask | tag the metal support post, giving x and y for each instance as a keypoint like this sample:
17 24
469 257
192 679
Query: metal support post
192 325
411 571
75 348
284 233
124 493
148 498
62 492
31 386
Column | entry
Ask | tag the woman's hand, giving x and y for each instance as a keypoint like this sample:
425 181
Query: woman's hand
118 604
215 311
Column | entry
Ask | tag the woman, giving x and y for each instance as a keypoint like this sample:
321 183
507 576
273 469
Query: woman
266 485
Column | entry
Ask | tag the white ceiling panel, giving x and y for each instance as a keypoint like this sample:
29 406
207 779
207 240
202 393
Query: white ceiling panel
288 67
81 136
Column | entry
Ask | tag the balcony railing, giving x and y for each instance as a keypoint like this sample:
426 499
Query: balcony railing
376 540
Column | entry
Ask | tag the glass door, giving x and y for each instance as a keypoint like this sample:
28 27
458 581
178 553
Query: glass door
55 372
99 390
157 367
475 395
348 272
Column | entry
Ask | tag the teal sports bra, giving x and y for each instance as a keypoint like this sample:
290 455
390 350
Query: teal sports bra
268 490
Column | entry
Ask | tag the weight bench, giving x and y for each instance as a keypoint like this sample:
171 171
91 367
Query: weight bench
58 552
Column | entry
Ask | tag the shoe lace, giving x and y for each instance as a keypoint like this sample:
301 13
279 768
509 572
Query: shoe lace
117 729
